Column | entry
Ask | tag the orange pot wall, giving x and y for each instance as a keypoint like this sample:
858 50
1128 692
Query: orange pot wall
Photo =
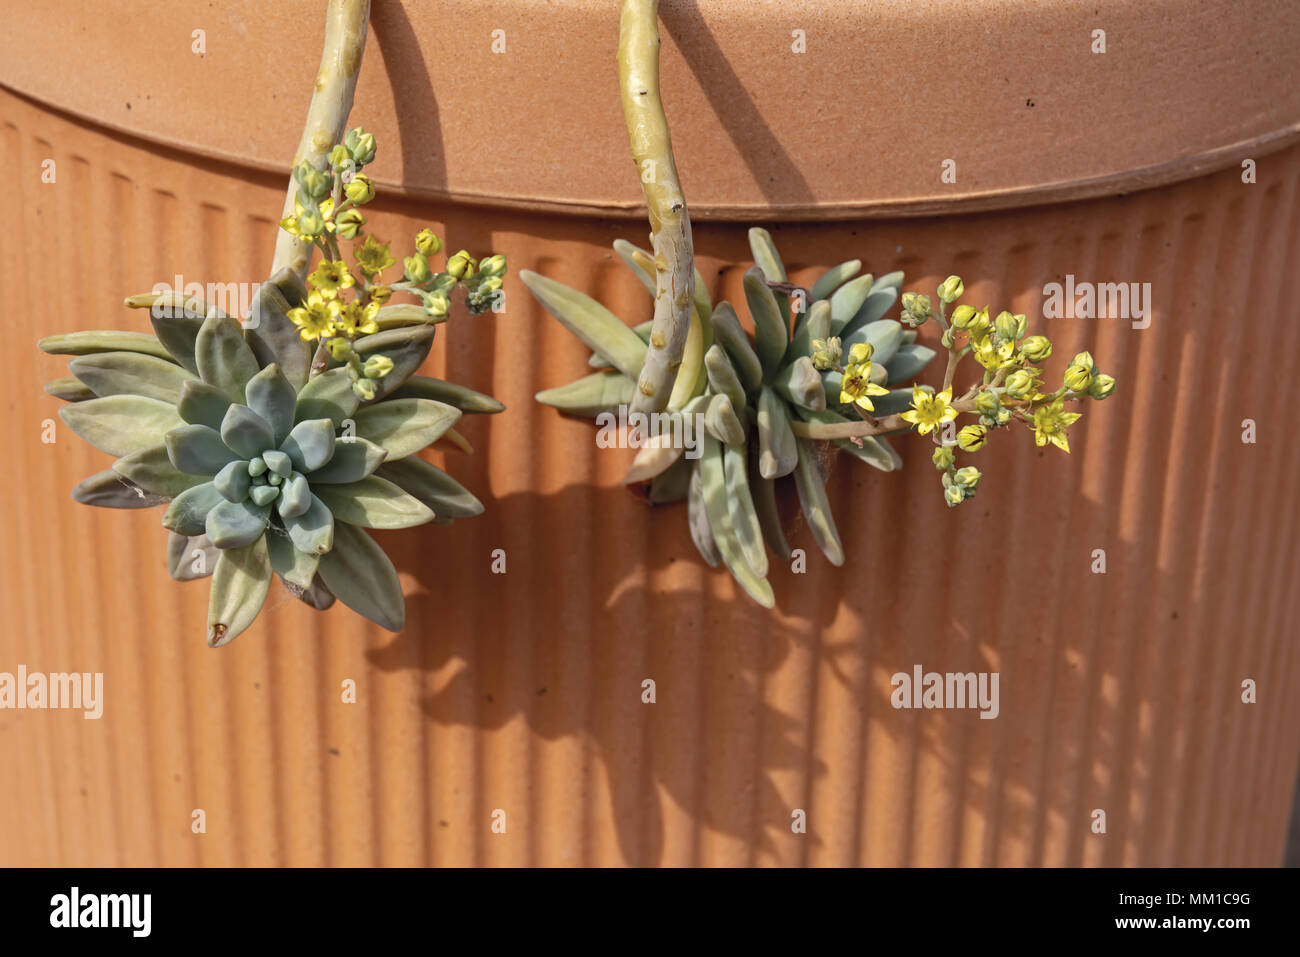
523 692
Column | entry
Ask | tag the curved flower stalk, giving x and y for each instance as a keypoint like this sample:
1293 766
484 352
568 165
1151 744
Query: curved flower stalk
767 403
276 443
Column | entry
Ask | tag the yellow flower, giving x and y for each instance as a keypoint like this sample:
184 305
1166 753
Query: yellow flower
331 277
290 223
316 318
353 320
1050 423
989 355
857 387
381 294
373 257
930 410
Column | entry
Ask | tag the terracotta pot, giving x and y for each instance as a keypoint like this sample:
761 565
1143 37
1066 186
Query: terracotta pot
522 692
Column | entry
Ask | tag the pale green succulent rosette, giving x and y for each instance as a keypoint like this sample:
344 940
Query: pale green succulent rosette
765 403
265 468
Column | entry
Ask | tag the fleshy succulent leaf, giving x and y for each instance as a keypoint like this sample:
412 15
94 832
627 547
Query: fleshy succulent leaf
103 340
313 530
744 517
778 454
771 333
190 557
108 489
467 400
833 278
801 383
188 512
374 502
240 583
152 470
296 568
363 577
233 481
247 433
310 444
714 484
272 338
404 426
407 347
727 331
885 336
908 361
354 458
816 507
432 486
197 450
636 259
121 424
328 396
223 357
597 327
130 373
591 395
202 404
272 396
236 524
177 326
698 519
69 389
295 496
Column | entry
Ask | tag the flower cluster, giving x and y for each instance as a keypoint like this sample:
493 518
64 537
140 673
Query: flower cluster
1011 389
343 303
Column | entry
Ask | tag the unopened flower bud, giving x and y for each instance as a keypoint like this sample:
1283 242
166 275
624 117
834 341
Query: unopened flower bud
360 189
377 366
826 352
461 265
1102 386
417 269
943 458
954 495
987 403
311 224
428 242
493 266
364 388
967 478
349 223
436 304
861 352
951 289
1078 378
1036 348
340 349
972 438
1020 383
1009 327
339 158
962 315
361 145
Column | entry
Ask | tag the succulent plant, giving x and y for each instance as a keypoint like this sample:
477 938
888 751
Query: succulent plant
763 402
275 443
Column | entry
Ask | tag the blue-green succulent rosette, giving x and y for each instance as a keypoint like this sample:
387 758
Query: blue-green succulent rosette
267 465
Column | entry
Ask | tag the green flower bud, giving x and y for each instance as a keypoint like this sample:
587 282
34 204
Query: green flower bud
972 438
946 339
1009 327
436 304
1020 384
376 367
489 286
340 349
1102 386
953 495
493 266
417 269
428 242
1036 348
988 403
361 145
1004 416
1078 378
1084 359
348 224
360 189
962 316
951 289
461 265
339 158
364 388
967 478
311 224
916 308
943 458
314 183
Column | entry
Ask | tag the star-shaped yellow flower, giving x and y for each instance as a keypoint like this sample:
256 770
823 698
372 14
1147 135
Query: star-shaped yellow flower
857 387
373 257
331 277
353 320
930 410
316 318
1050 423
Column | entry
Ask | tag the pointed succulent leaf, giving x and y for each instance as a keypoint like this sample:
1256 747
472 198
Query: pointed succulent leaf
898 400
743 515
591 395
885 336
328 396
272 338
246 433
653 459
766 256
407 347
233 481
130 373
374 502
883 294
239 586
597 327
296 568
397 315
432 486
317 595
188 512
313 530
778 454
698 519
722 376
771 333
263 494
121 424
197 450
717 509
639 261
763 493
223 357
278 462
152 470
363 578
721 421
467 400
814 324
190 557
354 458
69 389
816 506
177 326
103 340
202 404
908 361
107 489
295 496
833 278
310 445
272 396
671 485
728 332
847 300
291 286
236 524
404 426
